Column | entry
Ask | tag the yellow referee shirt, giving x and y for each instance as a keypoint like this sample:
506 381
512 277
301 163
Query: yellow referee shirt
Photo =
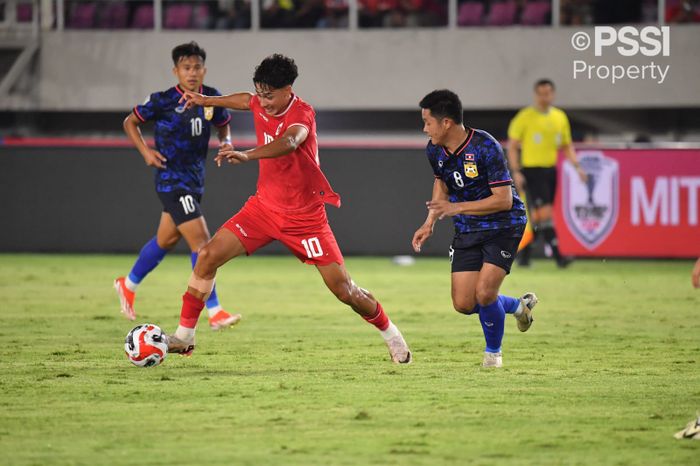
540 135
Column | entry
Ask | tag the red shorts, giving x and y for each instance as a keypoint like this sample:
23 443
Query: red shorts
306 234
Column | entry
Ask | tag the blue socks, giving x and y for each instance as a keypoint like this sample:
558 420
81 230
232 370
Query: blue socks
492 318
150 256
510 305
213 301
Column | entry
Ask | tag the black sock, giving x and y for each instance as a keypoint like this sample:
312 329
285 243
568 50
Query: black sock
550 237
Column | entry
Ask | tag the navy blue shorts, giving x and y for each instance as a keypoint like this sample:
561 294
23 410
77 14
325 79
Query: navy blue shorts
469 251
182 205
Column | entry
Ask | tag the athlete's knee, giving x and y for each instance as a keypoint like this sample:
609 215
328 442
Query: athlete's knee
168 242
207 258
486 296
463 305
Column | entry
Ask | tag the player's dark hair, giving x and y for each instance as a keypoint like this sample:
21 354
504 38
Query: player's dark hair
276 72
544 82
188 50
443 103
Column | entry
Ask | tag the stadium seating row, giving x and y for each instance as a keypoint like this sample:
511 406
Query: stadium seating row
534 13
119 15
235 14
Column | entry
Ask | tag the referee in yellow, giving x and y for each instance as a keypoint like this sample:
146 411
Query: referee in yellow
534 137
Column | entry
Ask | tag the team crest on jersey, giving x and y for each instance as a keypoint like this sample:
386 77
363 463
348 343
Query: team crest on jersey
591 208
470 170
208 113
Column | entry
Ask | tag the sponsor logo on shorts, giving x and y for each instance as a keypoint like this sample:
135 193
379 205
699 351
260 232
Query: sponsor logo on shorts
240 228
452 254
506 254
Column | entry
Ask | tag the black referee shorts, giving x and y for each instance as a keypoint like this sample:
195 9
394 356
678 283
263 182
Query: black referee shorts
541 185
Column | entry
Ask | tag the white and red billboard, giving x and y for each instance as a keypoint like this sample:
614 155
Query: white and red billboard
636 203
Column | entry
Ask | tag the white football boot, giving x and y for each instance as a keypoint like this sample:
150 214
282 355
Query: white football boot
492 360
178 346
398 350
691 431
527 304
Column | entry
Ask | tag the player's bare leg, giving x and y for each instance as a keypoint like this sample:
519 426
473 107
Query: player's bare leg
223 247
149 257
464 291
197 236
167 234
337 279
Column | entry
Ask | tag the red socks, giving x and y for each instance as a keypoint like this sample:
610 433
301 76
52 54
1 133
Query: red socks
191 308
380 319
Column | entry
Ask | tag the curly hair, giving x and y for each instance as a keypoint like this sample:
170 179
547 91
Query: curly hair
276 72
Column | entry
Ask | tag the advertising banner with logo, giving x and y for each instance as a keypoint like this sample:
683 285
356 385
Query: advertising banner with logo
636 203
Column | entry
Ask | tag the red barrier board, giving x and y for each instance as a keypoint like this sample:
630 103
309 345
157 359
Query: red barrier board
636 203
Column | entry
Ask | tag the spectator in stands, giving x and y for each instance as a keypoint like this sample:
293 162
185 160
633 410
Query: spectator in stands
684 11
336 15
372 12
233 14
433 13
576 12
402 13
276 13
308 14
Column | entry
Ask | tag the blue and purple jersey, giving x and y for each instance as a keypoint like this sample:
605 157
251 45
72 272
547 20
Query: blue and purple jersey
470 172
182 136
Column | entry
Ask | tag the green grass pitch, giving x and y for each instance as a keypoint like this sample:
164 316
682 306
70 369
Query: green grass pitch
608 372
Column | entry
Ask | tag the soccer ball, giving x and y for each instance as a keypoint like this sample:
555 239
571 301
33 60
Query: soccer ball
145 345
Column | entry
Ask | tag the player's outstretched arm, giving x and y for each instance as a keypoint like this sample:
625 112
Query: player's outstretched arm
501 199
285 144
152 157
237 101
426 230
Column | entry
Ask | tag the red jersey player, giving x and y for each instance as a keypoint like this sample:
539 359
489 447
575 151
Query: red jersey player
288 205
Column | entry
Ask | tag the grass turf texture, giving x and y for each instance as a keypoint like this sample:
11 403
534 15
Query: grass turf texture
608 372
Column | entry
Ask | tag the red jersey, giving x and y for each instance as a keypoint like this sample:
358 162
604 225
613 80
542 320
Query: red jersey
293 182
